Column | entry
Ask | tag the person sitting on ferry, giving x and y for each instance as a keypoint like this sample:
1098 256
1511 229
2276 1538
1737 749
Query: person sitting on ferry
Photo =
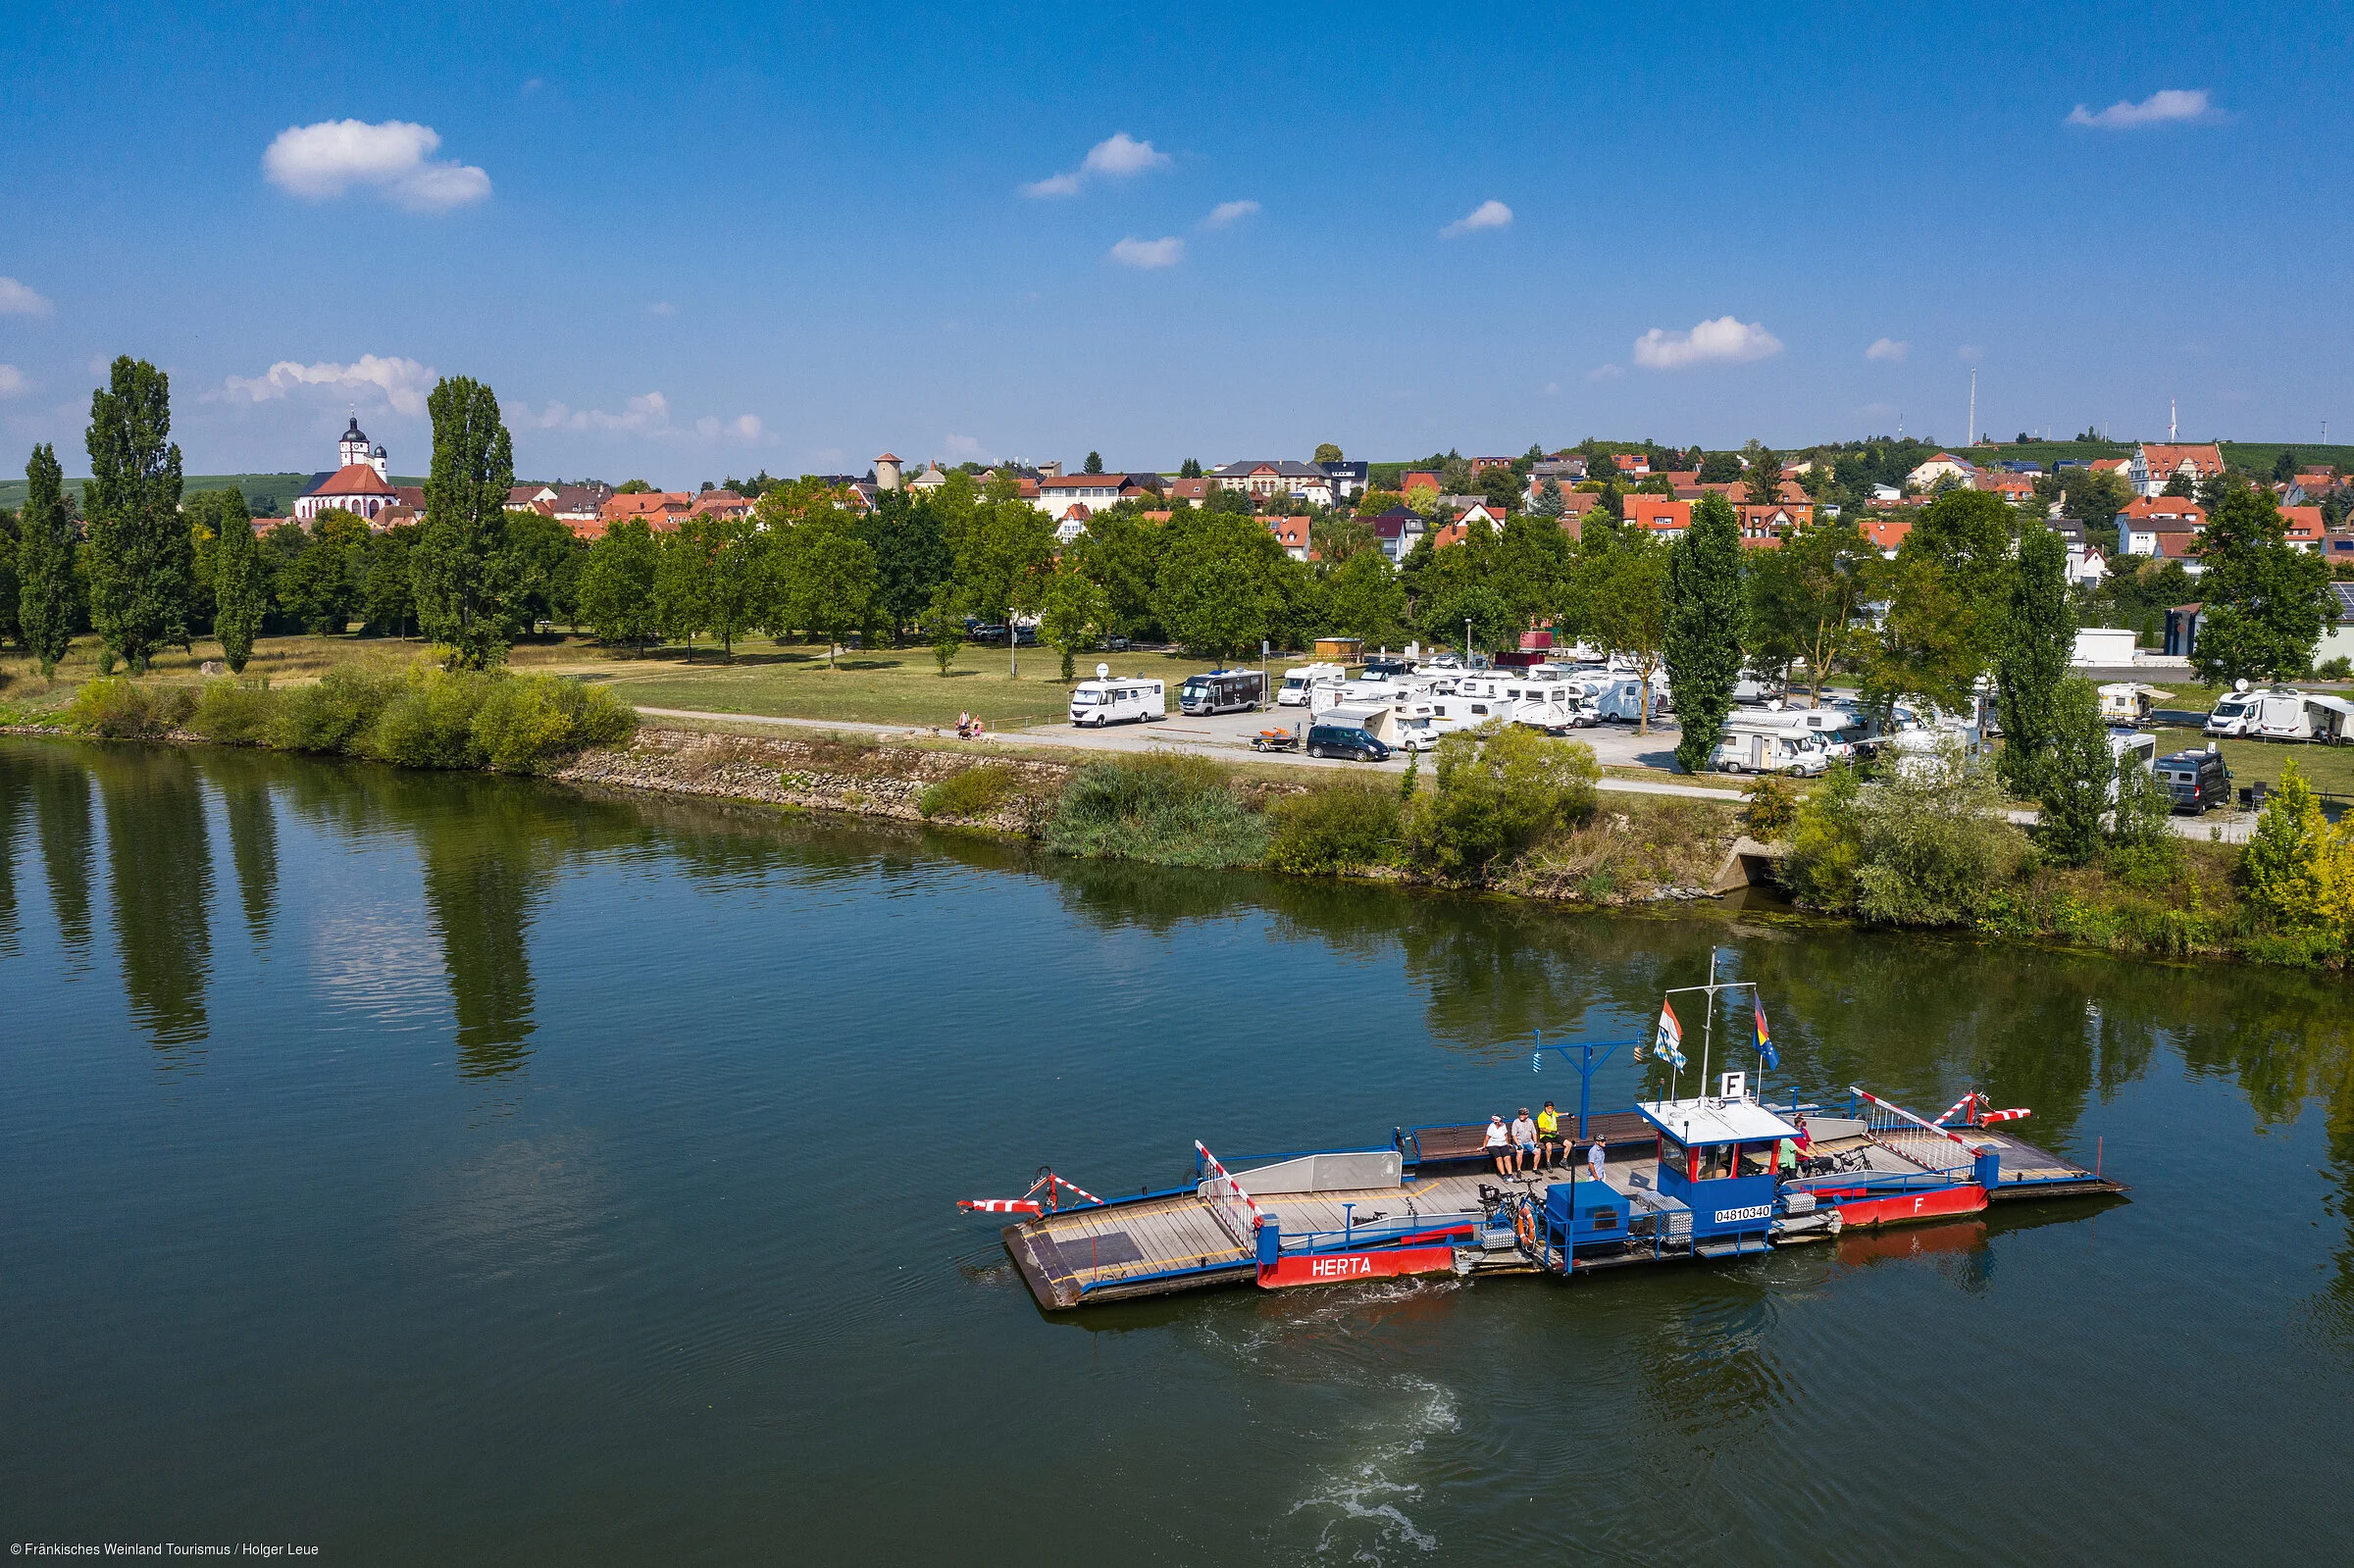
1548 1135
1806 1139
1786 1154
1597 1157
1500 1145
1524 1139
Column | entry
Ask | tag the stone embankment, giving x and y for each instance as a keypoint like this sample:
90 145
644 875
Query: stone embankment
817 772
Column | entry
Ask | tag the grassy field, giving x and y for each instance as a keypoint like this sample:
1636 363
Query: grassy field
278 488
884 687
2328 769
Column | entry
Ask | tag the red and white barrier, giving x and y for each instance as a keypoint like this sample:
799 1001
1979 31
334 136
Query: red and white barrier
1237 1212
1000 1205
1974 1104
2004 1116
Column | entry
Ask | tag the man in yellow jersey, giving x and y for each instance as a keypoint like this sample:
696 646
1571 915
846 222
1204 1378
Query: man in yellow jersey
1549 1137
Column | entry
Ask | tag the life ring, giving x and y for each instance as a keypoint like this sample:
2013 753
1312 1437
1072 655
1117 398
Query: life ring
1524 1225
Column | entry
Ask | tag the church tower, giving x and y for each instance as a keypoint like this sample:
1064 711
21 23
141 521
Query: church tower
354 446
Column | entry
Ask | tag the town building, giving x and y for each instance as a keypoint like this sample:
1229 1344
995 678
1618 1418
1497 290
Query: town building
2146 522
1348 480
1291 533
1668 518
1265 479
2153 464
1056 495
1944 466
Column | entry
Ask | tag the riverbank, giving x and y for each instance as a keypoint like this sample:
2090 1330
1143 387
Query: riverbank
1617 851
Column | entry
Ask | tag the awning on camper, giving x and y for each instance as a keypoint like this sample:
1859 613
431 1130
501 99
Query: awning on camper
2337 705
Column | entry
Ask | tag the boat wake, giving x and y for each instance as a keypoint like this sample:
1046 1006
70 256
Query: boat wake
1362 1503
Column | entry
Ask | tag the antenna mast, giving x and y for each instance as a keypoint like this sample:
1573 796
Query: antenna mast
2170 425
1973 405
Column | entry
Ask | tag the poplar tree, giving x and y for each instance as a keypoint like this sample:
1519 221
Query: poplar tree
240 596
2038 642
142 562
1706 622
468 583
45 601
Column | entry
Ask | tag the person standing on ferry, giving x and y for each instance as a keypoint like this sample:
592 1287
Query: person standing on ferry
1595 1158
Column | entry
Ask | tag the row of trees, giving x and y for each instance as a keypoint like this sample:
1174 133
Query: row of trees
148 573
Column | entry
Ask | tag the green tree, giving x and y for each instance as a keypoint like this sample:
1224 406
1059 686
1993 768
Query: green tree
2038 642
1094 464
1218 589
1803 598
1006 553
11 586
2069 774
1763 478
1326 452
547 557
1190 468
387 602
321 588
944 627
1720 468
1549 502
468 583
2092 501
2284 467
2287 863
1073 613
1364 598
48 603
1706 623
829 579
2264 597
1121 552
1949 598
2181 487
142 567
240 596
617 586
1623 592
682 589
912 558
1496 794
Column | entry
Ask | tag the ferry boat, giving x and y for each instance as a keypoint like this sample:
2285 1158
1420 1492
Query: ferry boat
1680 1181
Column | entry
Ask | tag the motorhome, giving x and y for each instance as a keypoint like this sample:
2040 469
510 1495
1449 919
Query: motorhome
1360 694
1916 748
2281 713
1301 680
2130 748
1551 704
1220 691
1754 748
1846 731
1097 703
1620 702
2129 701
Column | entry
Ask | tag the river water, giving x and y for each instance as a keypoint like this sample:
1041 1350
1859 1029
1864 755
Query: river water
464 1169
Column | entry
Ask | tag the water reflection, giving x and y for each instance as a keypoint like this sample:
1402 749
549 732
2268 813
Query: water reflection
61 800
159 878
15 791
242 780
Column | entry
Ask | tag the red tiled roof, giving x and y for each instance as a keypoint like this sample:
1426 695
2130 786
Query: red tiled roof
2170 511
1418 480
1885 534
1661 515
2163 459
355 478
2304 522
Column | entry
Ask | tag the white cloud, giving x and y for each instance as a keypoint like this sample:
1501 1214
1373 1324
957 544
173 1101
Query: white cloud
324 160
644 415
1606 373
12 380
742 427
16 299
1553 389
1888 349
402 383
1969 353
1229 212
1149 253
1727 340
963 449
2172 106
1117 156
1487 215
661 307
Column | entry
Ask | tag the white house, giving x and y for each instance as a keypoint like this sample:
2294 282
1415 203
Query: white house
2144 525
2154 464
1944 466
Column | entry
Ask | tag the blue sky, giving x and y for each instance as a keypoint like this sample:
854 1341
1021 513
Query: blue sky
683 242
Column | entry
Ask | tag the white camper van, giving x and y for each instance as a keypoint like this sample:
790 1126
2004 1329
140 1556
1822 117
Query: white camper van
2281 713
1766 748
1549 703
1097 703
1621 701
1301 680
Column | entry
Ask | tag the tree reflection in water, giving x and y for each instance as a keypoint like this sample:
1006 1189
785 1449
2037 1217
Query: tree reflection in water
241 779
61 800
15 791
159 878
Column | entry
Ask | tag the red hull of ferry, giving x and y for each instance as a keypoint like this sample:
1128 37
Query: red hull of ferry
1347 1268
1905 1208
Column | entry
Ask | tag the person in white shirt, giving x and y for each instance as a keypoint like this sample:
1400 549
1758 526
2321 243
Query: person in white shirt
1595 1158
1499 1147
1525 1141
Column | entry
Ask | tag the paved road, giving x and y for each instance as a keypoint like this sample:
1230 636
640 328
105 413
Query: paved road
1227 737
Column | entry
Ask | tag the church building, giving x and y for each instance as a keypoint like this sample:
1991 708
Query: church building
359 485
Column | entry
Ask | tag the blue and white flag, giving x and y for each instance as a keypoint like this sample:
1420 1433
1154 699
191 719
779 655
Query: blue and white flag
1670 1041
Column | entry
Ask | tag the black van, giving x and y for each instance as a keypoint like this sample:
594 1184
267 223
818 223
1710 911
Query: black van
1338 740
2196 779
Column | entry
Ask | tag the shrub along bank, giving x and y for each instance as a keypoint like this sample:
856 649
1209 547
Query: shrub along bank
421 717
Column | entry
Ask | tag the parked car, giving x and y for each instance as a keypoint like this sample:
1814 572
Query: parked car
1116 643
1342 740
985 631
